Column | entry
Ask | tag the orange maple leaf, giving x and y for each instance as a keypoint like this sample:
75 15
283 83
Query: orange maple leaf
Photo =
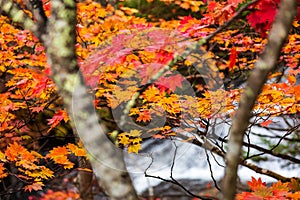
13 151
255 184
78 151
297 92
35 186
144 116
266 123
3 174
295 195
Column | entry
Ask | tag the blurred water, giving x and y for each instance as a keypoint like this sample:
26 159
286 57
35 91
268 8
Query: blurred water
191 162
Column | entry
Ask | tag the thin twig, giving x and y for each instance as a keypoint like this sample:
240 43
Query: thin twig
173 180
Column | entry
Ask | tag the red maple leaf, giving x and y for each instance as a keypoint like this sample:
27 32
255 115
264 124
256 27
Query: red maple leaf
211 6
262 18
171 82
266 123
57 118
235 1
232 58
37 109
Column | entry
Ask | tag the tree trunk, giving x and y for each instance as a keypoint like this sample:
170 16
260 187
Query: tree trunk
265 64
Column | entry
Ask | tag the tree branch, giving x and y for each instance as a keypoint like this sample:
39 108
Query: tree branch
202 141
265 64
39 15
173 180
106 160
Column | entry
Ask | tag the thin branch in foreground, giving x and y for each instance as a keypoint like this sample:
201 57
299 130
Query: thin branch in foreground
211 171
201 141
173 180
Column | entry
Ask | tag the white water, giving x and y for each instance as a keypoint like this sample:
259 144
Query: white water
191 163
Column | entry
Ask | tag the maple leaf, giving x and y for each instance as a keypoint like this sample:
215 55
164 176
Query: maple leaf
77 150
2 157
262 18
135 133
58 151
235 1
291 79
37 109
35 186
266 123
297 93
57 118
295 184
151 94
280 189
144 116
124 140
255 184
159 136
13 151
294 196
247 196
171 82
59 156
211 5
232 58
134 148
46 173
129 11
3 174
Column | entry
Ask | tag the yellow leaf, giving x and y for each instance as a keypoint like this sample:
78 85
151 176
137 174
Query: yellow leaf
2 157
26 137
134 148
135 133
85 169
124 140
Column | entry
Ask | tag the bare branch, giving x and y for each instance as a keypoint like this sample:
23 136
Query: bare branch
39 15
205 143
265 64
173 180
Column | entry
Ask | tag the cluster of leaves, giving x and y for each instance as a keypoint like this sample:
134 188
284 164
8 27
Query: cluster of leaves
57 195
32 167
143 61
131 58
29 111
194 6
278 190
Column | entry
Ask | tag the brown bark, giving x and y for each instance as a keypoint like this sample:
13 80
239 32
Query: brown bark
265 64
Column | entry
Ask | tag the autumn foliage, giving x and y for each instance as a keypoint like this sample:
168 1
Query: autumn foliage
278 190
119 54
